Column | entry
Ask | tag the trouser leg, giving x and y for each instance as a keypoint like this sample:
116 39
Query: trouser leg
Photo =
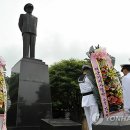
32 46
94 114
87 114
26 42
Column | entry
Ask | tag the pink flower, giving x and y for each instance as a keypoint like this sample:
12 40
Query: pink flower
109 62
2 62
100 54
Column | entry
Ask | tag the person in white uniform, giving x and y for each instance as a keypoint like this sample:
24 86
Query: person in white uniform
88 100
126 87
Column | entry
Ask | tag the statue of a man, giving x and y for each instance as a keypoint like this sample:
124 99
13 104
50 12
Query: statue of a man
28 27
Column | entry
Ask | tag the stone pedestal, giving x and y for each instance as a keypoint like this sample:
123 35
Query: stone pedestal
33 99
59 124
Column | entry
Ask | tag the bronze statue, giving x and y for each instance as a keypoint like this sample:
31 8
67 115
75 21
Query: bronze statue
28 27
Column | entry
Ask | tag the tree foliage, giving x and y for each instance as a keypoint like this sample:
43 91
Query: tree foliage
13 83
64 84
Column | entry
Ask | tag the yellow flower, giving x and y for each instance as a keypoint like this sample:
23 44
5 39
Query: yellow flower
119 92
111 73
1 96
1 80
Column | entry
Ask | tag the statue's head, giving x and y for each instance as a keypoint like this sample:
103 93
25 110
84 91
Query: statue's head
28 8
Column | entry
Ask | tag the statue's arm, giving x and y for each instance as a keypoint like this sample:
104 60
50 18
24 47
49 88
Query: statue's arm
36 22
20 24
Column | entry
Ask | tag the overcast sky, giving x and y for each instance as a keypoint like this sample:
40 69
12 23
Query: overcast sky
67 28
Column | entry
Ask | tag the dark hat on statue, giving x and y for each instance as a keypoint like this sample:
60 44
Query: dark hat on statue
29 5
125 66
84 67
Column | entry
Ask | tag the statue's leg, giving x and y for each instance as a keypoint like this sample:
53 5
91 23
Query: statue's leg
32 46
26 41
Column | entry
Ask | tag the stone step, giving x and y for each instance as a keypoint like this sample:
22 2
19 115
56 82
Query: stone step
59 124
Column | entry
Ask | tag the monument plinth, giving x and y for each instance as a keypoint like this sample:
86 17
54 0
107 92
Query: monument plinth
33 100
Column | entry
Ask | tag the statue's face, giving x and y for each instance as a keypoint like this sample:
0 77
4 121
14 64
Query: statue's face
29 10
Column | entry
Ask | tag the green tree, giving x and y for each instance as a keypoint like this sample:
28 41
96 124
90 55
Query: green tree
64 85
12 83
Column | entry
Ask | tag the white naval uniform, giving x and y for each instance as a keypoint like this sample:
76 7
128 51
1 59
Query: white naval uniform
88 102
126 91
